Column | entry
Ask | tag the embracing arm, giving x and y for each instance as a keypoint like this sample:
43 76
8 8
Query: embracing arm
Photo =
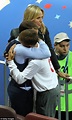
53 55
27 73
40 52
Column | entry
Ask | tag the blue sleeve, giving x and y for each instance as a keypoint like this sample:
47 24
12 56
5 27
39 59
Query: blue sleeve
40 52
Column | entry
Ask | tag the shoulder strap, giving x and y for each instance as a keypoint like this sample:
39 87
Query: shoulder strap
66 64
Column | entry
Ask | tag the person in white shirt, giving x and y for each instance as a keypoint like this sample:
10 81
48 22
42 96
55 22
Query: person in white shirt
44 80
21 95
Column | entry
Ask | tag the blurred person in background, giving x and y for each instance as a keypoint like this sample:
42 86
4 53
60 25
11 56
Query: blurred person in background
64 56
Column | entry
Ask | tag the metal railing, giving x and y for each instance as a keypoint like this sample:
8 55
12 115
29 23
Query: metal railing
66 91
5 82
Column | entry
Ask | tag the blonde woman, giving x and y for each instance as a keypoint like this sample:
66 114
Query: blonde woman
36 14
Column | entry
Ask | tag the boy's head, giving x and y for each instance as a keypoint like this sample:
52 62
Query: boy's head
28 37
27 25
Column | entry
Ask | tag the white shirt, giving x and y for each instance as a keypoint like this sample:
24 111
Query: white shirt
45 77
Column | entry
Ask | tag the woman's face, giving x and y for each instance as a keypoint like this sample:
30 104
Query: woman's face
38 20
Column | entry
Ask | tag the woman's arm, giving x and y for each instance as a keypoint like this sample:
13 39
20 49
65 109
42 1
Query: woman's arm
37 53
53 55
40 52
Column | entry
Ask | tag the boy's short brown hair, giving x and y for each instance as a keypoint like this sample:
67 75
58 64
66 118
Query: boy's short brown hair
28 37
27 25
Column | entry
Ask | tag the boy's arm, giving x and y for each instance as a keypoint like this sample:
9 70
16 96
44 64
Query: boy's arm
27 73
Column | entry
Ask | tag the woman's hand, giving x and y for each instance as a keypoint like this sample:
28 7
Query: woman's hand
63 75
10 55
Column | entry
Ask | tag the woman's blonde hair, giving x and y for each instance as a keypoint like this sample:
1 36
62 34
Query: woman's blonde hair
32 12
